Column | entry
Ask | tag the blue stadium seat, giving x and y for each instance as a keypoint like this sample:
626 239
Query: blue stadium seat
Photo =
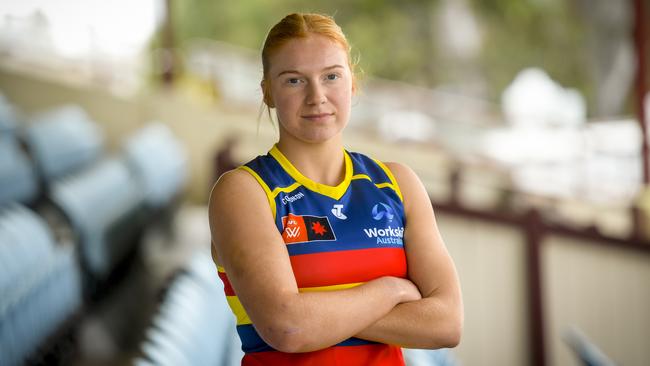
8 118
18 180
63 140
158 161
95 200
40 284
17 174
588 353
194 325
24 240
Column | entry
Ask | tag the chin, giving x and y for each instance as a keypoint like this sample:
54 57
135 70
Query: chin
315 139
319 136
312 134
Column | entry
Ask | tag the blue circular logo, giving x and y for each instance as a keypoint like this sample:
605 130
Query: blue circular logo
380 210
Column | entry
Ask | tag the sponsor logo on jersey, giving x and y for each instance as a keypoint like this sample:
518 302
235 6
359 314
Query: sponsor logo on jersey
388 235
305 228
381 210
295 197
338 213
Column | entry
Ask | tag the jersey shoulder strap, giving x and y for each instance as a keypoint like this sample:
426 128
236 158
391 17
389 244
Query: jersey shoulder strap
374 170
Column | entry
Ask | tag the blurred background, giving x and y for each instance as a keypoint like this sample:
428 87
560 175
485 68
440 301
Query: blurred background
525 119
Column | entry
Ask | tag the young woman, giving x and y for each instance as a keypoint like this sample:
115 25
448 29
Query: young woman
328 257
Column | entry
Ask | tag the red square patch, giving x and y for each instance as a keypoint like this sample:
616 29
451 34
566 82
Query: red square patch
295 230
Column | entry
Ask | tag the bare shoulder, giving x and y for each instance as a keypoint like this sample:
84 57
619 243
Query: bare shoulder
403 173
406 178
237 188
236 182
236 198
409 183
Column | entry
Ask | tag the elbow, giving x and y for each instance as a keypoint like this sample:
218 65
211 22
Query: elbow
287 342
283 336
451 336
289 346
443 338
285 329
453 326
445 335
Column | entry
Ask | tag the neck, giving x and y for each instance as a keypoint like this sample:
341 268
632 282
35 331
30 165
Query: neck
323 163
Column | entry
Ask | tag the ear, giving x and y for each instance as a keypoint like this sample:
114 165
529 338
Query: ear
266 92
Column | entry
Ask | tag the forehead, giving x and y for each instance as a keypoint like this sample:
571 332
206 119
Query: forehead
311 53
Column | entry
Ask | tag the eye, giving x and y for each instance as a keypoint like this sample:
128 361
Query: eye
293 81
332 77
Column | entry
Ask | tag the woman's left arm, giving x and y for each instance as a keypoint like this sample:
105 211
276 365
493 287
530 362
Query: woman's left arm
436 320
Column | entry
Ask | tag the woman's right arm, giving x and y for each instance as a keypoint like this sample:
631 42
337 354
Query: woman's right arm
248 245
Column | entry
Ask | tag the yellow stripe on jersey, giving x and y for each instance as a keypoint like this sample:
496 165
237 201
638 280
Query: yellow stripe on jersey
238 309
287 189
378 185
394 186
269 194
330 288
335 192
361 176
388 185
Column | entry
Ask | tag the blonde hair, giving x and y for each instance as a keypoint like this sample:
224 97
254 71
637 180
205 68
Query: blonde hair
301 25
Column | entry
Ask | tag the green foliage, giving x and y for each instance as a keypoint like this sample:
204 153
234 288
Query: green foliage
545 34
396 40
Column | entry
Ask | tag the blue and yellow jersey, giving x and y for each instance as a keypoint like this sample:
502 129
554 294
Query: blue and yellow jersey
337 238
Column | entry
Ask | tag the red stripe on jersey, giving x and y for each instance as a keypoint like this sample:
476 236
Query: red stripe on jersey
348 266
367 355
227 287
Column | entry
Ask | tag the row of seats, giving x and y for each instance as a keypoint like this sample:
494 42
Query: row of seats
94 200
17 174
55 179
40 286
62 141
160 181
194 325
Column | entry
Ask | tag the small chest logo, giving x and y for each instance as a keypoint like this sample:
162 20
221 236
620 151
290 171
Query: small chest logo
338 213
381 210
295 197
305 228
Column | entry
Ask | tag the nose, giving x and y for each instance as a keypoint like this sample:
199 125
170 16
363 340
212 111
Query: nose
316 94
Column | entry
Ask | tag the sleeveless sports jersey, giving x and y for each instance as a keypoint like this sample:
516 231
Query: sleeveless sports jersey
337 237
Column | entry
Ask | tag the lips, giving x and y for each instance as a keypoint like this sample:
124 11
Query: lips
317 116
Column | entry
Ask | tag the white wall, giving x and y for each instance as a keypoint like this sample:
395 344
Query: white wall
603 291
489 261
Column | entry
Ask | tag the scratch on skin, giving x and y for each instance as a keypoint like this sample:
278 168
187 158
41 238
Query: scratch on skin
291 331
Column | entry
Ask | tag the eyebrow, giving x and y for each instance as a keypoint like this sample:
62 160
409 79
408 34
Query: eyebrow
297 72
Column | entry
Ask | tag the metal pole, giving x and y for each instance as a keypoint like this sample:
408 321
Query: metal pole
641 43
537 341
168 57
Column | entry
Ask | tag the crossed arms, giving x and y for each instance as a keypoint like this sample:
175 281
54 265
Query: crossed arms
424 311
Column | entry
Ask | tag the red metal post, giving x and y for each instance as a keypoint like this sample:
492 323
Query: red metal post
168 58
537 342
641 43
